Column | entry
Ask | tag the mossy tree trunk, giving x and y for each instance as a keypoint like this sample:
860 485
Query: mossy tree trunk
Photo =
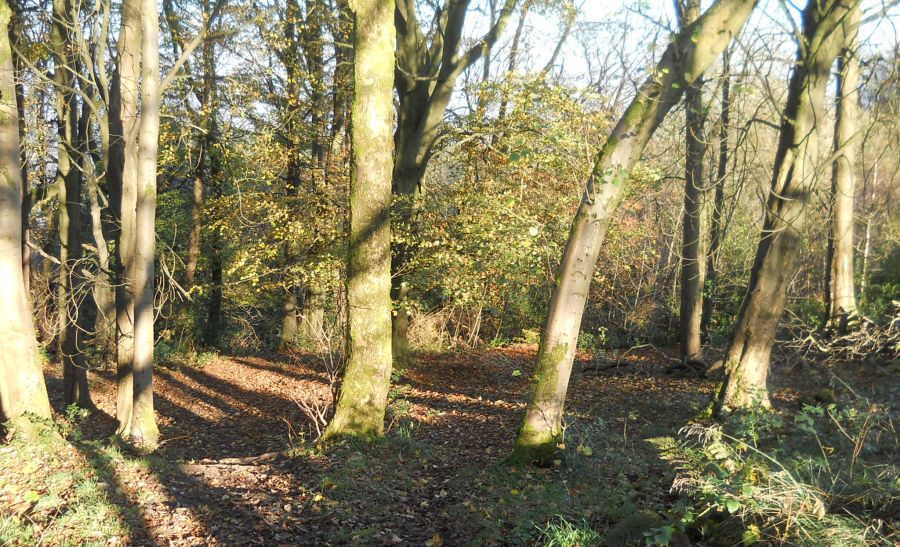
795 173
22 386
841 295
690 53
363 395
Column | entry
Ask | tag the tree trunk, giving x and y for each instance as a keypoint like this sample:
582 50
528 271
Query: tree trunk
367 377
841 296
68 190
693 233
717 227
424 85
123 173
16 29
694 48
289 326
22 386
793 180
312 317
143 421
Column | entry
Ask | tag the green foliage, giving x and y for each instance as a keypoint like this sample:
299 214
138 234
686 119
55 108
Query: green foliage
560 532
818 477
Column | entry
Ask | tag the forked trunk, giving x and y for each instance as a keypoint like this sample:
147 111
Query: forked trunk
793 180
691 52
363 396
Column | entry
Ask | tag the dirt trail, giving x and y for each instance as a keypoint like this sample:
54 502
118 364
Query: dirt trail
436 480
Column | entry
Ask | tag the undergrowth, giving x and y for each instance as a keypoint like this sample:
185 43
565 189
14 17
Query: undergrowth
50 494
823 476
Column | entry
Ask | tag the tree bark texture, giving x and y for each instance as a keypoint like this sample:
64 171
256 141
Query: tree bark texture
22 386
691 52
693 236
123 171
793 180
841 296
363 396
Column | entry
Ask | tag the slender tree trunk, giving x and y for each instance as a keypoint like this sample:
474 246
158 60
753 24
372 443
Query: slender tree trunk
692 227
793 179
841 295
367 377
143 420
193 250
68 189
123 170
692 50
22 386
717 227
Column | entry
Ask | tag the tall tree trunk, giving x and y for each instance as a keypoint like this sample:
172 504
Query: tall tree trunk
22 386
691 52
692 262
143 420
123 173
841 295
793 179
717 227
363 397
68 190
16 37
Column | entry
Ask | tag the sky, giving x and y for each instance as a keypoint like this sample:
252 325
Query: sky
543 30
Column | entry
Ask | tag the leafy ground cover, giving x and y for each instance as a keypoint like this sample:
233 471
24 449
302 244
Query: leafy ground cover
236 466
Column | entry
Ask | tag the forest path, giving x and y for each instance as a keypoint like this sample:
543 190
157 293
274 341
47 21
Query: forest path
233 470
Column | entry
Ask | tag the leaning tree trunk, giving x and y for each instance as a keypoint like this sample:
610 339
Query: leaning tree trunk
22 386
841 296
691 52
123 173
367 378
144 430
692 264
793 180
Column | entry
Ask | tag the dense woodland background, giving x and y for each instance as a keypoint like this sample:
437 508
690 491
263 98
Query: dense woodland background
298 269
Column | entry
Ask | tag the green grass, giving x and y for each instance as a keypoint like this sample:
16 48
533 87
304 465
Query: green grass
50 494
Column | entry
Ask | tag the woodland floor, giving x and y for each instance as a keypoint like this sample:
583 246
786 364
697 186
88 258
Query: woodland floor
436 479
